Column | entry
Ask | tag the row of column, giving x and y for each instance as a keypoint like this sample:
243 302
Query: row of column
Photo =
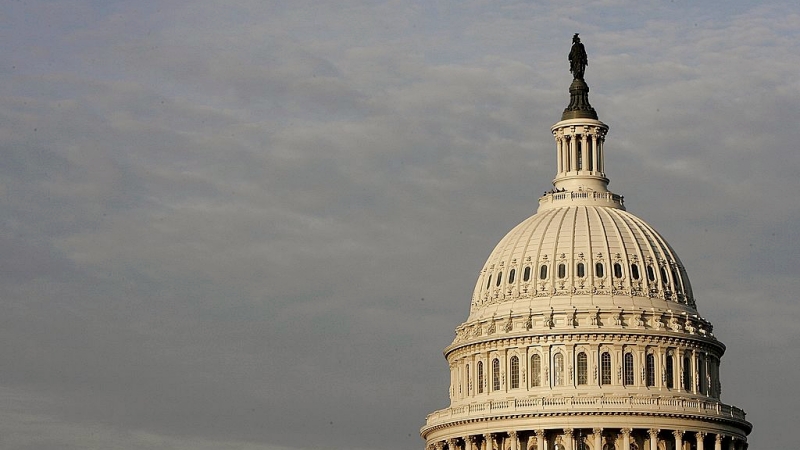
570 439
670 369
575 153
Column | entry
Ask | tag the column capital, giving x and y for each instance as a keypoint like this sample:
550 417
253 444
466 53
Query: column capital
701 434
678 433
653 432
718 438
626 431
451 444
597 430
513 433
539 432
568 432
439 445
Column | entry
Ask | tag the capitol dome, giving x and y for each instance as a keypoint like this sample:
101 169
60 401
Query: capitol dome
583 332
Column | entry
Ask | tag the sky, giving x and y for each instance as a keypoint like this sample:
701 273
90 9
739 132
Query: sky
255 224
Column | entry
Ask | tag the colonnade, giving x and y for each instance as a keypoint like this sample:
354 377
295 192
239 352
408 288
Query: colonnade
593 439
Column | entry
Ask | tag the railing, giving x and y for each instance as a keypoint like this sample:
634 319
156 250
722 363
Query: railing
550 197
586 404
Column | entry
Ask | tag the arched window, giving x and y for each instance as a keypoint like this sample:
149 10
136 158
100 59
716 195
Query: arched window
670 368
628 370
536 370
489 281
650 369
558 370
635 271
543 272
562 270
526 275
579 152
480 377
499 279
617 270
605 368
495 374
514 372
581 270
687 373
583 369
511 275
598 270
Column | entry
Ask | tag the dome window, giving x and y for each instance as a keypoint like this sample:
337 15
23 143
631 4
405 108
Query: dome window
581 270
526 274
598 270
480 377
651 274
499 279
543 272
664 275
511 275
670 368
635 271
583 366
628 363
562 270
536 370
605 368
514 372
489 282
495 374
617 270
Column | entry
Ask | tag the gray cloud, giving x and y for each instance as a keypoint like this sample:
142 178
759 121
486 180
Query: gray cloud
257 226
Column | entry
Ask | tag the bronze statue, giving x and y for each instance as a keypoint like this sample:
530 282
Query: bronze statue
577 58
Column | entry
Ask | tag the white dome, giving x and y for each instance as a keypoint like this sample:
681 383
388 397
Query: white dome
581 256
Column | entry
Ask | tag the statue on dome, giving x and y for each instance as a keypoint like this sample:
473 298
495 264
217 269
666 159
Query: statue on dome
578 60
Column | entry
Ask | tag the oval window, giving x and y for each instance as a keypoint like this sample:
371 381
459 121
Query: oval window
664 276
651 274
543 272
489 282
581 269
617 270
499 278
562 270
526 275
511 275
635 271
598 270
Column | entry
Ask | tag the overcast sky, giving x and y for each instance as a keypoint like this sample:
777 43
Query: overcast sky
255 224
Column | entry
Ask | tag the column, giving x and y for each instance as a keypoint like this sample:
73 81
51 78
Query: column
488 442
678 439
451 444
626 439
718 442
439 445
530 442
595 155
539 439
584 154
560 153
568 439
700 437
514 436
654 438
598 438
471 442
573 150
